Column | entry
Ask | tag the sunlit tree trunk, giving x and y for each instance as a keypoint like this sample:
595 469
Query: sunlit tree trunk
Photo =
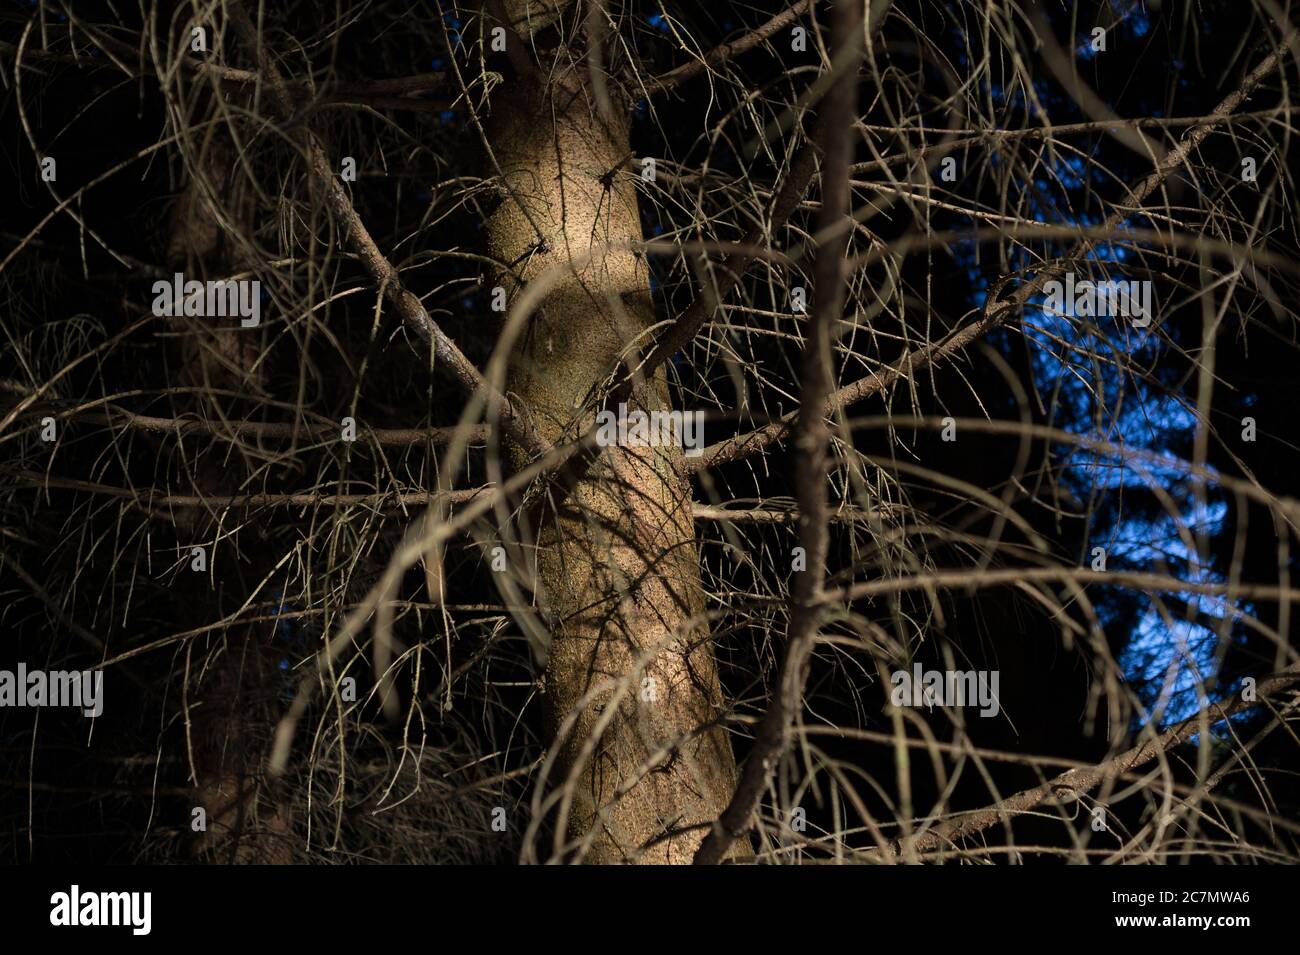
618 572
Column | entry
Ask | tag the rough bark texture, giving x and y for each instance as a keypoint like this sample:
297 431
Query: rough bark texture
618 571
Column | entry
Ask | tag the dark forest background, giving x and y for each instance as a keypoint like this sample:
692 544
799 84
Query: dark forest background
93 572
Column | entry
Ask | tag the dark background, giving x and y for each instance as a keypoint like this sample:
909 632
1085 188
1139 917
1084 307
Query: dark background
117 793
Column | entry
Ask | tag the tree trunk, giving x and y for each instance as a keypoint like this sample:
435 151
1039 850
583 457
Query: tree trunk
617 572
232 691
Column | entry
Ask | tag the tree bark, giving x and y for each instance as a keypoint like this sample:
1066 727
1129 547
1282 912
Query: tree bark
617 569
231 692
